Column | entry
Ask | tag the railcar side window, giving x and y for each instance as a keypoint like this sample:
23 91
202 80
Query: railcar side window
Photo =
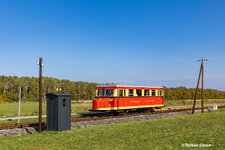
131 92
100 93
138 92
153 92
120 92
146 93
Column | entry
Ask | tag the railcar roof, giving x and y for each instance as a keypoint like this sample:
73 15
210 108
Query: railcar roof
125 85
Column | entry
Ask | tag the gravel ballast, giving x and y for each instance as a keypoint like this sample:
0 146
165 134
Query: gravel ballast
17 131
132 118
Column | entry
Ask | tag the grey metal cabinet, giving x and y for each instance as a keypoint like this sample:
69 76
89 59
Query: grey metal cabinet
58 112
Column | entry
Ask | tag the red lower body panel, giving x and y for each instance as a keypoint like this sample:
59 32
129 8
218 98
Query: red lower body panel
127 103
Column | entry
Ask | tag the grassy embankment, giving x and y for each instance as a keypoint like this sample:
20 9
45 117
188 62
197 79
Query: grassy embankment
170 133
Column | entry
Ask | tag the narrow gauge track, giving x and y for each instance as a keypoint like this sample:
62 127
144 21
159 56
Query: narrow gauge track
108 116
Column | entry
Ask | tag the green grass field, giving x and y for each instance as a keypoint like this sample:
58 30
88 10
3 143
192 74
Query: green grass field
170 133
31 109
27 109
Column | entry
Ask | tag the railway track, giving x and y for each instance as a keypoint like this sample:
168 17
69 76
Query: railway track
101 116
20 125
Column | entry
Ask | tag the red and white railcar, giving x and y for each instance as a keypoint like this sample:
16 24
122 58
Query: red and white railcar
117 97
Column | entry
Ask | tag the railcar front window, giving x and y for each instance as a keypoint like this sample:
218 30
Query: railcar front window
109 93
100 93
105 93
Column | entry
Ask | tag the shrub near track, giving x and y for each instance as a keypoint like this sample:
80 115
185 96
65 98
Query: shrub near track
170 133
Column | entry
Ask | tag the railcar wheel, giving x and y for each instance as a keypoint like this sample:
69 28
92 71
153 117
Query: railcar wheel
139 110
125 112
150 109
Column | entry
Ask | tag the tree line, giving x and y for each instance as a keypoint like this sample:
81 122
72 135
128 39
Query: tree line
183 93
9 89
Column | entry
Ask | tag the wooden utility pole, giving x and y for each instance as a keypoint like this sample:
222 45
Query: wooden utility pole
196 91
40 95
202 85
19 104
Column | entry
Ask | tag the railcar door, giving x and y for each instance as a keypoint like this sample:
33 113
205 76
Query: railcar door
120 99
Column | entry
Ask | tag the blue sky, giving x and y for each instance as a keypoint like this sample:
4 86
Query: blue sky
153 42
